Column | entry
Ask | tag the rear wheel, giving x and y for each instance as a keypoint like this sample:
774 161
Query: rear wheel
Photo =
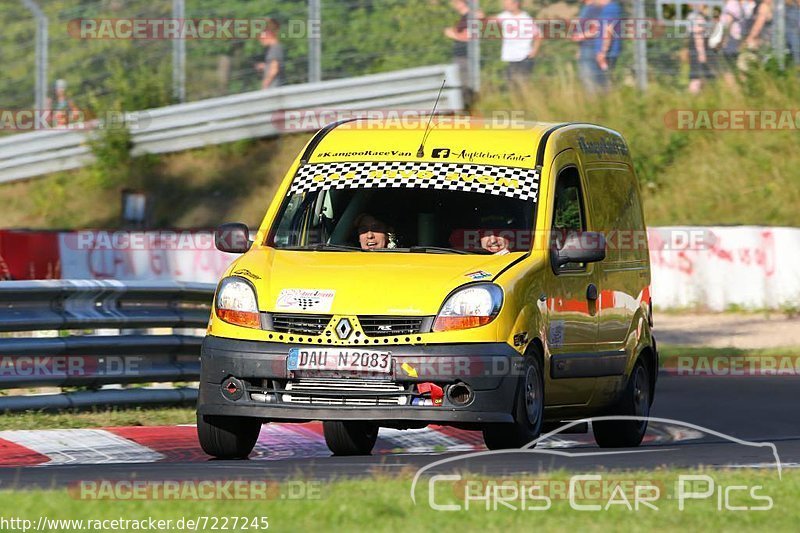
528 411
227 437
635 401
350 437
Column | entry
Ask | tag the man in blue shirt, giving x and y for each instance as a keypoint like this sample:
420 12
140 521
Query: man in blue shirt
588 71
607 44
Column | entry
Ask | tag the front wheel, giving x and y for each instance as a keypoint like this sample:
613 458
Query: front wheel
227 437
350 437
635 401
528 411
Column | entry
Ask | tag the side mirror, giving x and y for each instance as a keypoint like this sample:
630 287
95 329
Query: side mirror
580 247
233 237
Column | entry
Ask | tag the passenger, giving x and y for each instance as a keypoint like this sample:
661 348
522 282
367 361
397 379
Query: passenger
497 244
372 233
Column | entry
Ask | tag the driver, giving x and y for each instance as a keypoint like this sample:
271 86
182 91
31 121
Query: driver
372 233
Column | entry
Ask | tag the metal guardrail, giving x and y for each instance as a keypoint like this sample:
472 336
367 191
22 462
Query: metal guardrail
73 359
231 118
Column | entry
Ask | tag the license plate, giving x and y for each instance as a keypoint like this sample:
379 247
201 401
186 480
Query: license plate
339 360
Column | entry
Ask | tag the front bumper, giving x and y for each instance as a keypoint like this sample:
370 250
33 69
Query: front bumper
490 370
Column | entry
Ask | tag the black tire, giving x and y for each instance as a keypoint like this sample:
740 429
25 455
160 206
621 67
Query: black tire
528 411
635 401
228 437
351 437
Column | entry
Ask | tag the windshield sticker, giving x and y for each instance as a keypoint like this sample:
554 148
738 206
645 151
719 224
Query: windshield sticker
513 182
471 155
305 300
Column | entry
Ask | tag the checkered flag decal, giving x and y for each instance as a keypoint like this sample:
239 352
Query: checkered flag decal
514 182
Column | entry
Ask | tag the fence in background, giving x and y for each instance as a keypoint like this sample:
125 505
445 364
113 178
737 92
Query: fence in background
91 361
323 39
231 118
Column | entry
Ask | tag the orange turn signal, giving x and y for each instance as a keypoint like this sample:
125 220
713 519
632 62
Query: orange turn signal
240 318
447 323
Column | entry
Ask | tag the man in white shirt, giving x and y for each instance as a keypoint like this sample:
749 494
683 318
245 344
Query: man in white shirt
521 41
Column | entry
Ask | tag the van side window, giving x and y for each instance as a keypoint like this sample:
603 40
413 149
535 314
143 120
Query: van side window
569 215
615 185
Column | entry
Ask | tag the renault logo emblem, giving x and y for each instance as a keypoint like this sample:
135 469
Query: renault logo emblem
343 328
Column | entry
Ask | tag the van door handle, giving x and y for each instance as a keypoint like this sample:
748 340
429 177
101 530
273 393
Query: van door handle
591 292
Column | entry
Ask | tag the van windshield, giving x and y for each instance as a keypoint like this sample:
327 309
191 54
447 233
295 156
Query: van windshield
408 207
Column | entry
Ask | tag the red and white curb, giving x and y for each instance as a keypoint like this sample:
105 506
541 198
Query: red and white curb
152 444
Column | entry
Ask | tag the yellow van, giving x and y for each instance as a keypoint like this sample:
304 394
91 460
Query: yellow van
484 277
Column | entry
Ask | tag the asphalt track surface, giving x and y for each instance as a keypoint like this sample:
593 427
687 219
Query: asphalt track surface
754 409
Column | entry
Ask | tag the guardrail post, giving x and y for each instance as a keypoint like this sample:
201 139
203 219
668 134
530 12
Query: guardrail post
314 29
42 39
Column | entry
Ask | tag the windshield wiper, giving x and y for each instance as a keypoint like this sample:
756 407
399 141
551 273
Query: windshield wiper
324 246
436 250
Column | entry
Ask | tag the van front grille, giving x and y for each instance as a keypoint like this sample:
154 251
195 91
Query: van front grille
381 326
299 323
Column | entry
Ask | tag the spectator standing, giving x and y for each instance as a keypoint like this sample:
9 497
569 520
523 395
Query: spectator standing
699 58
760 34
459 34
272 66
735 19
793 30
521 42
588 70
608 44
64 110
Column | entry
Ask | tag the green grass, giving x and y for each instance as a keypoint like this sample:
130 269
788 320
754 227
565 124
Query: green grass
687 360
687 177
384 504
100 417
672 351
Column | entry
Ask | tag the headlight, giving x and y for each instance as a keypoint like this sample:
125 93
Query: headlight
236 303
469 307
